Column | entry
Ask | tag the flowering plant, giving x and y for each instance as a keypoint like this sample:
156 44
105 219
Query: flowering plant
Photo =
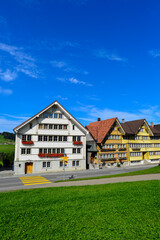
51 155
27 142
77 143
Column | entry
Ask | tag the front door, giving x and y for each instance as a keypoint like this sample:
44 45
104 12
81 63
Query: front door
28 168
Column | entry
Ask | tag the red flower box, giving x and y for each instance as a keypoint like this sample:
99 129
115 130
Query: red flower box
50 155
77 143
27 142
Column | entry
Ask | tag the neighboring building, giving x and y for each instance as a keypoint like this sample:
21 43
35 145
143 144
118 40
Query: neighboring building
43 139
132 142
107 135
143 142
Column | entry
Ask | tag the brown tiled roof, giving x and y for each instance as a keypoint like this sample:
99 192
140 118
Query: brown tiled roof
132 127
100 129
155 129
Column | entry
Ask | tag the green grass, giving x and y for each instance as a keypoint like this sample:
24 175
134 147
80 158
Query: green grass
112 211
7 148
141 172
3 140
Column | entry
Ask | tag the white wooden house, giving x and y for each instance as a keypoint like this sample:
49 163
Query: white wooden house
43 139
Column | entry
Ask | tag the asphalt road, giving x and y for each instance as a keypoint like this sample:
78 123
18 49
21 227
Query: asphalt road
9 182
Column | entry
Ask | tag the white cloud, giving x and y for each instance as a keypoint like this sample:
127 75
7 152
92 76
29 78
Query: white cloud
62 98
76 81
26 63
8 75
155 53
102 53
5 91
58 64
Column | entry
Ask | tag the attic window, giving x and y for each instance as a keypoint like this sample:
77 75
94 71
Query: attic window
30 125
73 127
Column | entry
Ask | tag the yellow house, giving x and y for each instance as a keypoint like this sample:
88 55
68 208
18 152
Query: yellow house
142 141
108 135
132 142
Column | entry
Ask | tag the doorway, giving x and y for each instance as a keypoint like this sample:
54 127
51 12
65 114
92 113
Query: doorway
28 168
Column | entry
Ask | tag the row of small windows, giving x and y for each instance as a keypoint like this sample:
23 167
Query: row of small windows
114 137
58 150
122 155
52 138
113 146
112 155
50 115
154 153
143 145
26 137
61 164
135 154
51 150
53 126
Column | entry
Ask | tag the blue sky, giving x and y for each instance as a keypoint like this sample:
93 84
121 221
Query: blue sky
98 58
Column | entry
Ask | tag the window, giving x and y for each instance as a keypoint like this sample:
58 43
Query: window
55 126
73 163
60 138
55 138
30 125
60 115
45 138
50 115
40 126
28 151
60 126
78 150
40 150
48 164
23 137
78 138
121 146
73 127
135 154
55 115
62 150
64 127
54 150
65 138
23 151
145 137
77 163
137 137
58 150
61 164
74 150
50 138
156 145
45 115
40 138
45 150
50 126
74 138
45 126
29 138
49 150
44 164
141 129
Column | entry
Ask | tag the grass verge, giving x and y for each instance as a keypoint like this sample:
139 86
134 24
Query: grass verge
141 172
113 211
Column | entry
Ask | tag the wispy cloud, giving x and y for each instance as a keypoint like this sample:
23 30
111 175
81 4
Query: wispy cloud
15 117
62 98
155 53
150 113
66 67
111 56
8 75
25 62
74 81
5 91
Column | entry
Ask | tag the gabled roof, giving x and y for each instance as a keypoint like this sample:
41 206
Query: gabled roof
76 122
155 129
100 129
132 127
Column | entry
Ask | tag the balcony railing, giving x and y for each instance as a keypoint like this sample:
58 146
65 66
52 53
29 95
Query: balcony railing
108 159
122 158
50 155
77 143
122 149
27 142
108 149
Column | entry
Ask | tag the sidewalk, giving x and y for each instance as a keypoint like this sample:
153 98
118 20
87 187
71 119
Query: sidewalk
109 180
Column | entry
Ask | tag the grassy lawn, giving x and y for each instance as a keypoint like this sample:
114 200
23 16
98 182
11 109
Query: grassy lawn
7 148
141 172
112 211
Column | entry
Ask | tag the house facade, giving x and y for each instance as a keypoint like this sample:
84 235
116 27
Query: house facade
44 139
129 143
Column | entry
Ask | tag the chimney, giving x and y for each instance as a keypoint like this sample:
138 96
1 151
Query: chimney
99 119
122 120
152 124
